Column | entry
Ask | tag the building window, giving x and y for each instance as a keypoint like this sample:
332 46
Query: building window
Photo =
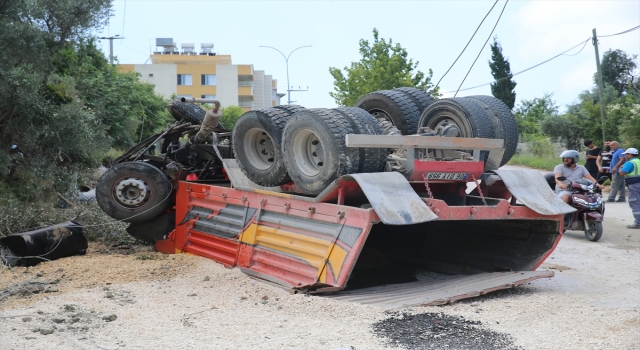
185 96
208 97
208 79
184 79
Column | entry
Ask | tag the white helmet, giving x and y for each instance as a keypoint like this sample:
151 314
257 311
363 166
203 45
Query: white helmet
571 154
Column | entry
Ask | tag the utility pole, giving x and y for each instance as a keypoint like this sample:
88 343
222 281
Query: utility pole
595 44
110 38
286 61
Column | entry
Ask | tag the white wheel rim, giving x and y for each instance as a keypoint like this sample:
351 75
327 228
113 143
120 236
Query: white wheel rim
308 152
132 192
259 149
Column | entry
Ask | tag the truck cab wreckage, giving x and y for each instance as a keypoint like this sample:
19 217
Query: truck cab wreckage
396 202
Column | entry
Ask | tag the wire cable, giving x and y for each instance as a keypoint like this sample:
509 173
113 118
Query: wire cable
624 32
584 43
469 42
482 48
124 15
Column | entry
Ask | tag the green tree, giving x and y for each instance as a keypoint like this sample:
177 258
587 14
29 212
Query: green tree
502 89
587 114
230 115
61 104
530 113
563 128
383 66
618 69
626 110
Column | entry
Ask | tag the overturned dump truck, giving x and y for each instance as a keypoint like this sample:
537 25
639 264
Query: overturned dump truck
397 201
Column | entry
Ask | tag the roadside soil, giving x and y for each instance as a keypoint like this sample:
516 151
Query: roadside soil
132 297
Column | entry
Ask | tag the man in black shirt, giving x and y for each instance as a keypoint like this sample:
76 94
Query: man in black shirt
592 155
604 160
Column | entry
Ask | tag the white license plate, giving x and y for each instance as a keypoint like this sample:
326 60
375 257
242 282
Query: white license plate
446 176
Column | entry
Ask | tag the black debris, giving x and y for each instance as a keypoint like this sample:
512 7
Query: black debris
440 331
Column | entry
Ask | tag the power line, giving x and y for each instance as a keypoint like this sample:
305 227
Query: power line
482 48
465 47
626 31
543 62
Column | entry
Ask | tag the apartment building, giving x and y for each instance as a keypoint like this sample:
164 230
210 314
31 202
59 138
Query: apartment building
205 74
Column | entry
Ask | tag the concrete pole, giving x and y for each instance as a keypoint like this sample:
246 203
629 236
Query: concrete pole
600 89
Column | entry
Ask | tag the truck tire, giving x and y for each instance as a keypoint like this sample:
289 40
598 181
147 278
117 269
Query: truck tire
257 145
470 118
155 229
190 112
395 107
370 160
314 149
133 192
420 97
289 109
508 126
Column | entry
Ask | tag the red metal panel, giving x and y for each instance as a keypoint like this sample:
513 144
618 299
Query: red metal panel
293 271
216 248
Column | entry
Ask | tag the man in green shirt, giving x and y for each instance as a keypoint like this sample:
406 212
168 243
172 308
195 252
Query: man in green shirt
631 172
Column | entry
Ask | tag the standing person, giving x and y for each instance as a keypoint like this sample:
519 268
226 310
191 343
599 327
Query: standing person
617 180
591 156
604 159
631 173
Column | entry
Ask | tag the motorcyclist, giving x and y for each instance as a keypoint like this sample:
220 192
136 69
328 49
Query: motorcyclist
572 171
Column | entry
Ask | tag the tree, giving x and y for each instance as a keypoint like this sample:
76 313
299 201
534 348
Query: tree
383 66
530 113
618 71
563 128
587 114
62 105
502 89
230 115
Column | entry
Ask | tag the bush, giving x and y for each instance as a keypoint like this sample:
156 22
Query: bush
18 217
539 145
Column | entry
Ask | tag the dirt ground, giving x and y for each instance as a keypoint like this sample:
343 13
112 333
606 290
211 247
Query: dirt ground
135 298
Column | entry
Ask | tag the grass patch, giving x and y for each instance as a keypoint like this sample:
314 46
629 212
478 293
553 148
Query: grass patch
151 256
534 162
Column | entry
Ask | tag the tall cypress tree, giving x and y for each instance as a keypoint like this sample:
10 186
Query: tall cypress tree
502 89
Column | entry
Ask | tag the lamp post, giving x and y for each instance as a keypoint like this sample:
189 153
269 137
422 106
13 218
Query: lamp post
110 38
286 60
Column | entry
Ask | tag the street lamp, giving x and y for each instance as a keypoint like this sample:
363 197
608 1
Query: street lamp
111 45
286 60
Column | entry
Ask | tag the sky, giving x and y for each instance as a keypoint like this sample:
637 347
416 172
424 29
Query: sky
433 33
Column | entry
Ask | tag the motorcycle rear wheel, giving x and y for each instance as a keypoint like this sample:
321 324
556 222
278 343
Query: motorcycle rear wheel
593 231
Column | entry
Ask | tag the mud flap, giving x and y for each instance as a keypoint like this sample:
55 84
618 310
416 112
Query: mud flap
532 190
393 198
438 291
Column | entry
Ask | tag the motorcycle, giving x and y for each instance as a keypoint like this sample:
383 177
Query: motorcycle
590 207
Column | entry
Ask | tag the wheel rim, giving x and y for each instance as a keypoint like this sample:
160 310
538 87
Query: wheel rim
378 113
132 192
308 152
445 119
259 149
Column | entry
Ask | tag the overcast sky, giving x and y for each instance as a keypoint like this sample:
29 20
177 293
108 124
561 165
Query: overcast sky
433 33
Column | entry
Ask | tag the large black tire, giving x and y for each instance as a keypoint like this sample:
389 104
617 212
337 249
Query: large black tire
315 151
394 106
133 192
370 160
507 122
420 97
155 229
289 109
470 118
257 138
188 111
